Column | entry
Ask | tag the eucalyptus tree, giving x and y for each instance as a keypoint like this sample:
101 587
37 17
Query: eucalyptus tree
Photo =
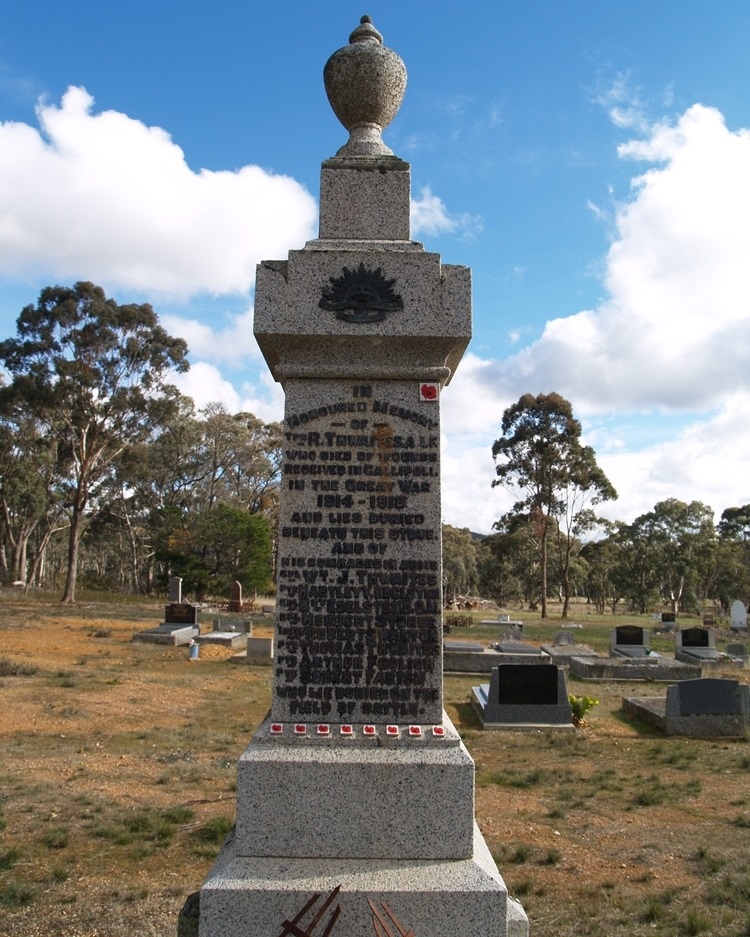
669 555
30 506
540 459
95 374
602 558
509 562
196 464
460 575
733 581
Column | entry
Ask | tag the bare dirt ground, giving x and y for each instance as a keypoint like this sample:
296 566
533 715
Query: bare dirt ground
117 779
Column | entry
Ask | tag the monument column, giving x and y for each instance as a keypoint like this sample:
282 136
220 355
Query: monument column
357 786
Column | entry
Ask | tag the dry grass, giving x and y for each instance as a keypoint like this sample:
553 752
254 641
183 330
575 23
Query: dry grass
117 770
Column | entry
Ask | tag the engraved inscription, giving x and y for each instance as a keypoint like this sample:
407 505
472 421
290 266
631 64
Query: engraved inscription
359 635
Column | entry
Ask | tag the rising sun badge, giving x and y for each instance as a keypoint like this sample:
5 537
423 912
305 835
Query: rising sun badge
361 295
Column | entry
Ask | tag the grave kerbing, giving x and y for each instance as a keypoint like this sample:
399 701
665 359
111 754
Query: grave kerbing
358 779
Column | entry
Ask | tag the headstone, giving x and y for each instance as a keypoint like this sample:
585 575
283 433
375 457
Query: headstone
175 590
695 637
259 651
358 775
667 621
736 651
708 708
180 614
561 638
630 641
739 616
708 697
180 625
564 648
462 646
512 642
235 597
524 695
699 644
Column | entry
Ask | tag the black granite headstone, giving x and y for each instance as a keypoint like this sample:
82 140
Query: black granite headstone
695 637
629 635
527 685
711 696
180 614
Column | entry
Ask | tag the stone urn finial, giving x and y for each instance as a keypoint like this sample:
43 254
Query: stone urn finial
365 84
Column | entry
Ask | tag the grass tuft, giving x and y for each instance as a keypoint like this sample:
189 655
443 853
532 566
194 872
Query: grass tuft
10 668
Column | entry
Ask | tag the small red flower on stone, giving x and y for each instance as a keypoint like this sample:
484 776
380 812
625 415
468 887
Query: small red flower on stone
428 391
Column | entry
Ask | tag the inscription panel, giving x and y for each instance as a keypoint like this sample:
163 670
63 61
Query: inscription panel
358 633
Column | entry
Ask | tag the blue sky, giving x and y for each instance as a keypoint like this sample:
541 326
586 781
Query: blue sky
590 161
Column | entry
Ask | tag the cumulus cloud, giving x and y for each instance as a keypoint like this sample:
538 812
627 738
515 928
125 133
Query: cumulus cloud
232 344
674 331
671 338
101 196
206 384
430 217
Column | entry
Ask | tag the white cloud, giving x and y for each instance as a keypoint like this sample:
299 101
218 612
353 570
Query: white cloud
674 331
205 384
429 216
232 344
103 197
624 104
672 337
707 461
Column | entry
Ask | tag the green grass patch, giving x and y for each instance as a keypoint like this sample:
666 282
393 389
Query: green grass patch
152 827
208 839
57 838
8 858
15 894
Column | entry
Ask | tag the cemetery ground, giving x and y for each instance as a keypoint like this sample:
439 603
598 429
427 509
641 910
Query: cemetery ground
117 785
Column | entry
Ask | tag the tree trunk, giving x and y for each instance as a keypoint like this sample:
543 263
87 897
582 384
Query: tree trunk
74 540
544 572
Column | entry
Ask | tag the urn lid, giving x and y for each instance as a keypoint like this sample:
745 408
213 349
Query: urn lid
365 84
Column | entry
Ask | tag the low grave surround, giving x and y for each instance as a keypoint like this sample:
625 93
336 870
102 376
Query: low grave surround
699 708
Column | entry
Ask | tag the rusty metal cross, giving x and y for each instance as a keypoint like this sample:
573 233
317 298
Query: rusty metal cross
381 926
295 928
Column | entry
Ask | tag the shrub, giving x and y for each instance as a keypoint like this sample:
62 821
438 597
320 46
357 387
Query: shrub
580 706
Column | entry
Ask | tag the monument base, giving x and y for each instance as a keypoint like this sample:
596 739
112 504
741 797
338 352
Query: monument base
251 897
